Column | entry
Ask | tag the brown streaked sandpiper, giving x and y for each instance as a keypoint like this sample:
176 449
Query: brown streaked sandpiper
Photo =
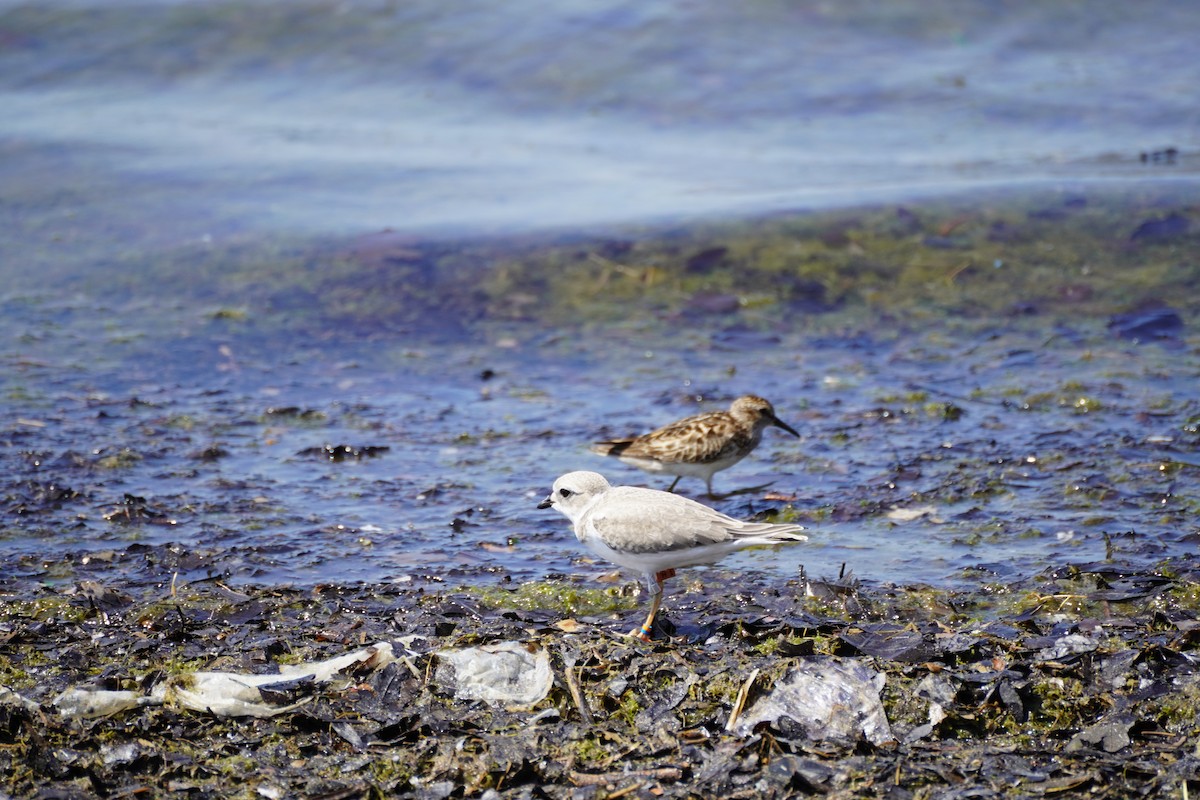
700 445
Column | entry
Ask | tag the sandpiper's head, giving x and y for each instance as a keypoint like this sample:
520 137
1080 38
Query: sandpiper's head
758 412
574 491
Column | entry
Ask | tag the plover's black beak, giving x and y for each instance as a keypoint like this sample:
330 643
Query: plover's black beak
546 503
781 424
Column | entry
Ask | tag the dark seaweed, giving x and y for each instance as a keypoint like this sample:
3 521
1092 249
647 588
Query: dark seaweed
1091 684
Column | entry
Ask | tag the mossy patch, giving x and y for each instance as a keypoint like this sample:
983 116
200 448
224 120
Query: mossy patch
562 598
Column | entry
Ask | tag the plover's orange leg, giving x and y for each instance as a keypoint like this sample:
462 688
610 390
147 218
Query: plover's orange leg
643 632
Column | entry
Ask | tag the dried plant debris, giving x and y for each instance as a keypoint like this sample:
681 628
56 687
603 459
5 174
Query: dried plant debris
227 694
1081 679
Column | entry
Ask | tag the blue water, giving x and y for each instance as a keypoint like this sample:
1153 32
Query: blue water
131 125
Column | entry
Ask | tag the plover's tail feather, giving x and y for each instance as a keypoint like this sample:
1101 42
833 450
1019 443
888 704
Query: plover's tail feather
770 531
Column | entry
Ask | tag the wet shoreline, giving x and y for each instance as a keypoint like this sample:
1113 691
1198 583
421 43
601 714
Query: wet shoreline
1089 683
993 386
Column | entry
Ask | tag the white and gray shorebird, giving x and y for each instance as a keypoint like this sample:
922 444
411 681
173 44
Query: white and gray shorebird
654 532
701 445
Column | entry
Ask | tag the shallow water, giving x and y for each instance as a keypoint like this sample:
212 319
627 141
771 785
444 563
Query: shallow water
1061 454
164 164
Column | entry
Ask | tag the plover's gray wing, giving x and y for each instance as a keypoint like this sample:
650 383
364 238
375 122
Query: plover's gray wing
639 521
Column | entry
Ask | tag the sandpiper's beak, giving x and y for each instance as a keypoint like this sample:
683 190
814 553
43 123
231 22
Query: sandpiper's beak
781 424
547 502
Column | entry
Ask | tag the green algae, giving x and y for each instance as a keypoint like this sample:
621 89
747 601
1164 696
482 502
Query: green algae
874 265
1180 710
562 598
55 607
122 459
821 270
231 314
1182 595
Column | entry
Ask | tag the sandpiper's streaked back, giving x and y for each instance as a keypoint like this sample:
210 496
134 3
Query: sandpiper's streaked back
654 532
700 445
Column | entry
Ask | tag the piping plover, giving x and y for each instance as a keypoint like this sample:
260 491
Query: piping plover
700 445
654 532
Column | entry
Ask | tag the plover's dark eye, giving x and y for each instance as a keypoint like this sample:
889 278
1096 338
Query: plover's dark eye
565 493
